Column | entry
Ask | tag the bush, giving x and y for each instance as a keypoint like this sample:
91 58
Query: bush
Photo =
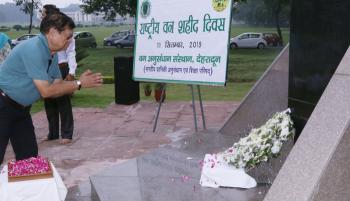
17 27
4 29
158 85
108 80
81 53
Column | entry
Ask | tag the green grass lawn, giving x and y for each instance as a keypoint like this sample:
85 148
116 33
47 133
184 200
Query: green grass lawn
101 60
245 65
244 68
103 96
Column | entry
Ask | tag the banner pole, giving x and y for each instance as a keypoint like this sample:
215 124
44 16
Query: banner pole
201 106
159 106
194 109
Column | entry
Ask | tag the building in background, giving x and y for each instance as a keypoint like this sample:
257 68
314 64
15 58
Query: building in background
91 19
10 15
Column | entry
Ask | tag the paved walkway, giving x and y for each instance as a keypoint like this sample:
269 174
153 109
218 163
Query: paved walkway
104 137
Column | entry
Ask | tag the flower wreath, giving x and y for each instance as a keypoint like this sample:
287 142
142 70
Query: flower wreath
262 143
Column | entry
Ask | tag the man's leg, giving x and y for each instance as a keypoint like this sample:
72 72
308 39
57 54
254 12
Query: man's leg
5 125
52 118
23 139
4 139
66 114
65 110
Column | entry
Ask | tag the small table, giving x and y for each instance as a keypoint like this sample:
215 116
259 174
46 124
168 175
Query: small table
52 189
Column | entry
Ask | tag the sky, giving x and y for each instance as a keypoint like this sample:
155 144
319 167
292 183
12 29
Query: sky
58 3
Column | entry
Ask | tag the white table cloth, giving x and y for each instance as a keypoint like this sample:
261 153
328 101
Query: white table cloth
217 173
50 189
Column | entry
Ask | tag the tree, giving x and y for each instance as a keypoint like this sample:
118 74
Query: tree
252 13
110 8
264 12
276 7
28 7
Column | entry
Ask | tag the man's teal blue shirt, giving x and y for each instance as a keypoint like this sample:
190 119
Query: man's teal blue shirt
30 60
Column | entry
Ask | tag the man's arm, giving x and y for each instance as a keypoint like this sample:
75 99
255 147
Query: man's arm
56 89
61 87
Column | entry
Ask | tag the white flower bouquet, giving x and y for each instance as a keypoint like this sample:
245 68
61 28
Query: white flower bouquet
262 143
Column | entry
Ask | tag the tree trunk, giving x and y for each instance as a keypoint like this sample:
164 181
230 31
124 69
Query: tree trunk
30 23
277 21
31 17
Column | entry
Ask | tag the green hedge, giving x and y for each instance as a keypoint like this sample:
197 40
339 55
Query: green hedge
4 29
108 80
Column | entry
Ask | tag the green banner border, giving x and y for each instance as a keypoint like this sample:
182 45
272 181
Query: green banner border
181 81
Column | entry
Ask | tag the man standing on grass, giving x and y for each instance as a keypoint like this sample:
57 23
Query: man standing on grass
31 71
61 108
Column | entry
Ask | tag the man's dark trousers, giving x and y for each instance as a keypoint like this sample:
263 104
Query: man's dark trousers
57 108
16 125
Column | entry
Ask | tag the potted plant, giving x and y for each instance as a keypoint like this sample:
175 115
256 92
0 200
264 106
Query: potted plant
158 91
147 88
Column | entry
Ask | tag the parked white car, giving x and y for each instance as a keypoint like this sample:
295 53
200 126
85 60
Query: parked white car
248 40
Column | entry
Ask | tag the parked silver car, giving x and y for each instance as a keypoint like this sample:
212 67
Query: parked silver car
109 41
127 41
248 40
21 39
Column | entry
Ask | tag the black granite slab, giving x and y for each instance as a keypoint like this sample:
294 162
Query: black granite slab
319 38
170 173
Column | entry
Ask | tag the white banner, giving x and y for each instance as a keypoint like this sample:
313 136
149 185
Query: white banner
182 41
